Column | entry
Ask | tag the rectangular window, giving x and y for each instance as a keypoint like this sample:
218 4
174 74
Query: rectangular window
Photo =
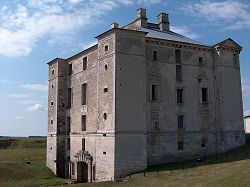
73 168
83 144
84 93
204 95
84 63
83 122
155 116
179 95
178 56
180 122
155 55
180 145
200 59
154 92
70 69
178 73
106 48
68 143
68 125
69 101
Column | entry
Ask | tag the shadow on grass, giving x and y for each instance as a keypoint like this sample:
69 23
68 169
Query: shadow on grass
240 153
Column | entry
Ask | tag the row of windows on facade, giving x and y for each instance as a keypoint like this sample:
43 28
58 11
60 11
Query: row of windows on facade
179 94
180 144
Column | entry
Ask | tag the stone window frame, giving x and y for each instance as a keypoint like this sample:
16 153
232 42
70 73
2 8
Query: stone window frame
182 96
84 63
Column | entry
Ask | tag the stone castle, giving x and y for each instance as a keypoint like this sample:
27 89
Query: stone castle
143 95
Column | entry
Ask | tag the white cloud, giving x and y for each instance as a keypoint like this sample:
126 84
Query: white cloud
36 107
22 26
183 30
27 102
228 14
19 96
6 82
19 117
35 87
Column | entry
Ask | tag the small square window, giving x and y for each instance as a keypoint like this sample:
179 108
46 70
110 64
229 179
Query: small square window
105 90
200 59
203 145
106 48
104 152
104 134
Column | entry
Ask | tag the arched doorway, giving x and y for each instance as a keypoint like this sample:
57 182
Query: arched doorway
82 171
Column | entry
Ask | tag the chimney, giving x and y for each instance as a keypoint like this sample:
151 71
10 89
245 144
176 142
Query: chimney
142 17
114 25
163 21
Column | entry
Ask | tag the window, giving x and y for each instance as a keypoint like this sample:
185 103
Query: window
106 48
69 98
83 122
155 120
154 92
68 143
235 58
204 95
180 145
178 73
180 122
84 63
68 125
105 90
51 122
179 94
106 67
70 69
203 145
105 116
73 168
155 55
104 152
52 86
84 93
51 103
83 144
200 59
177 56
53 72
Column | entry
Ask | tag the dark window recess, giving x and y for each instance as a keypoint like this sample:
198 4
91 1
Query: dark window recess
84 123
84 93
105 90
235 58
52 86
51 103
84 63
104 135
199 80
83 144
68 143
51 122
180 122
200 59
180 145
53 72
178 73
106 67
155 58
157 126
203 145
105 116
177 56
104 152
179 94
72 168
70 69
106 48
68 125
154 92
204 95
69 97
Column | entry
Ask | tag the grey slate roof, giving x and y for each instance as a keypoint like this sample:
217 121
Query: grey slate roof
168 35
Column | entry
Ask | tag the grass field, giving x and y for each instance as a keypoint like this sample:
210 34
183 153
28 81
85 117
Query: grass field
22 163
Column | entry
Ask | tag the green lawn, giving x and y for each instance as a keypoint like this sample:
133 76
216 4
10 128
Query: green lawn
231 169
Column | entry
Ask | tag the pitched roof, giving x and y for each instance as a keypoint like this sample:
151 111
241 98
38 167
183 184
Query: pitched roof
168 35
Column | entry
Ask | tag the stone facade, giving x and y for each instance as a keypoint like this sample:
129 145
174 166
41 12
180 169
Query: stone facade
247 124
143 95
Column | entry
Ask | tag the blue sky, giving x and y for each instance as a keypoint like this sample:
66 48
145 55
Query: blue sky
33 32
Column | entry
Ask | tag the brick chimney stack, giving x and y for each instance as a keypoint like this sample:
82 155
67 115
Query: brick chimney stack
163 22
